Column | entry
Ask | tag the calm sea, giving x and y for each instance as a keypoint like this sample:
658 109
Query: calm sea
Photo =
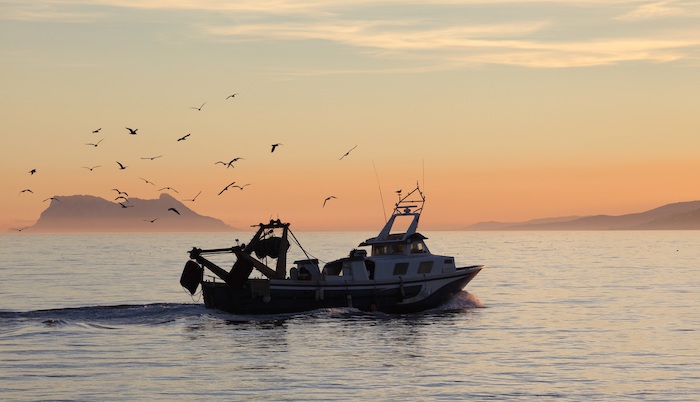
554 316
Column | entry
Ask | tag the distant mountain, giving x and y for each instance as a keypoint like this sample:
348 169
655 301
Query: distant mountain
677 216
87 213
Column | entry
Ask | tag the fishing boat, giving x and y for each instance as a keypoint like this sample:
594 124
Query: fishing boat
394 272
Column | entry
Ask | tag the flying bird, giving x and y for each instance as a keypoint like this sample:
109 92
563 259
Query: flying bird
174 210
121 167
95 144
120 192
169 188
52 199
125 206
132 131
32 171
152 157
150 220
147 182
20 229
241 187
348 153
275 146
121 197
226 188
184 137
198 108
96 131
26 190
91 168
326 200
195 197
231 96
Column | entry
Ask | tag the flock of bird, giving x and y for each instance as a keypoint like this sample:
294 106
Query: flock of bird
122 198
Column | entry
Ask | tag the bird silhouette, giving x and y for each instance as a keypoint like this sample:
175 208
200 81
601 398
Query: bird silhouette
95 144
226 188
348 153
26 190
241 187
198 108
195 197
97 130
121 197
20 229
169 188
152 157
121 167
174 210
31 172
184 137
53 199
125 206
121 192
132 131
147 182
91 168
326 200
150 220
275 146
231 96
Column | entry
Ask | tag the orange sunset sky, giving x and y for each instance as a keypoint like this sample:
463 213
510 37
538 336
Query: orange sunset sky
502 110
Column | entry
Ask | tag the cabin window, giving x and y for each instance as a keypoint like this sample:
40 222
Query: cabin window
417 247
400 268
379 250
425 267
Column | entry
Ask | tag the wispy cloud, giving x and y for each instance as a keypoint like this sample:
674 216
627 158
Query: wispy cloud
652 11
446 34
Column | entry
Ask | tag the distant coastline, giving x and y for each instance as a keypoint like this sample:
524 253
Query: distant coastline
676 216
91 214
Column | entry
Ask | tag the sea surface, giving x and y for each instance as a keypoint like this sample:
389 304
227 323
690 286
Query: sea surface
611 315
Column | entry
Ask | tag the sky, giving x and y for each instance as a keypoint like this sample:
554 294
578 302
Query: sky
500 110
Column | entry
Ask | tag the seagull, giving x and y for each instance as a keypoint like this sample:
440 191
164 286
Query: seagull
91 168
121 167
147 182
348 153
198 108
326 200
231 96
169 188
174 210
121 197
32 171
125 206
96 131
241 187
95 144
184 137
231 162
132 131
121 192
195 197
20 229
52 199
275 146
26 190
226 188
150 220
152 157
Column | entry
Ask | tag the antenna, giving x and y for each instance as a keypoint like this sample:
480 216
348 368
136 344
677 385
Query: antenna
381 197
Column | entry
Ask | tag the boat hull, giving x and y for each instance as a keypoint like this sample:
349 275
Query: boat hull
264 296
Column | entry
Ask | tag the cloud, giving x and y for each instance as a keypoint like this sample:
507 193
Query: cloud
652 11
445 34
